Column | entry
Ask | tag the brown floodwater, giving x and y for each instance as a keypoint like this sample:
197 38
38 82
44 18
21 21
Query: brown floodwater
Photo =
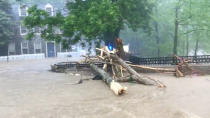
29 90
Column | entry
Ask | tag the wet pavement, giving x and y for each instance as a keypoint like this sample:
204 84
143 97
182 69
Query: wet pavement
29 90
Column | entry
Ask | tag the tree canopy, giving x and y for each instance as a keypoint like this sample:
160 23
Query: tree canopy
93 19
176 26
193 27
6 24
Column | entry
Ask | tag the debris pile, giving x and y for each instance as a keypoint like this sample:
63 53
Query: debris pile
110 67
121 70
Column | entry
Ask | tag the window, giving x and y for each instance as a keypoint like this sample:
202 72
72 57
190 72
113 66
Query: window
49 9
37 47
23 30
23 11
25 51
38 51
24 46
11 48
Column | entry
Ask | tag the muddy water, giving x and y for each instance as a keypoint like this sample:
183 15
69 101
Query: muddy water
29 90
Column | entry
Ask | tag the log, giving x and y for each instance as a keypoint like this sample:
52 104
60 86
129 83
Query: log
152 68
136 76
114 86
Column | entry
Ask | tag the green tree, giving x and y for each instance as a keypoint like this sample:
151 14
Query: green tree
197 24
94 19
6 32
177 27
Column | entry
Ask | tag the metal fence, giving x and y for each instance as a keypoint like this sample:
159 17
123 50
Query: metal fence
169 60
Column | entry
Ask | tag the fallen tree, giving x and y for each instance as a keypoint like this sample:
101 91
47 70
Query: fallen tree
114 86
111 68
135 76
116 62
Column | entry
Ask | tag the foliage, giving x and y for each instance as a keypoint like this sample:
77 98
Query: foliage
196 26
6 32
92 19
95 19
193 19
40 18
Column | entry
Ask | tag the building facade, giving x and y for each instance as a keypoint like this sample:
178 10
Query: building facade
37 45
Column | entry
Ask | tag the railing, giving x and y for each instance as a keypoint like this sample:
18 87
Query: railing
22 57
169 60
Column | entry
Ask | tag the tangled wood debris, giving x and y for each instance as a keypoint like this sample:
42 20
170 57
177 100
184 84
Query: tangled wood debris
118 66
183 68
119 70
110 67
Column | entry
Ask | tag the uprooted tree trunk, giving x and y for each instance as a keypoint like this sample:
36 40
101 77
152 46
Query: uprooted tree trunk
135 76
114 86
